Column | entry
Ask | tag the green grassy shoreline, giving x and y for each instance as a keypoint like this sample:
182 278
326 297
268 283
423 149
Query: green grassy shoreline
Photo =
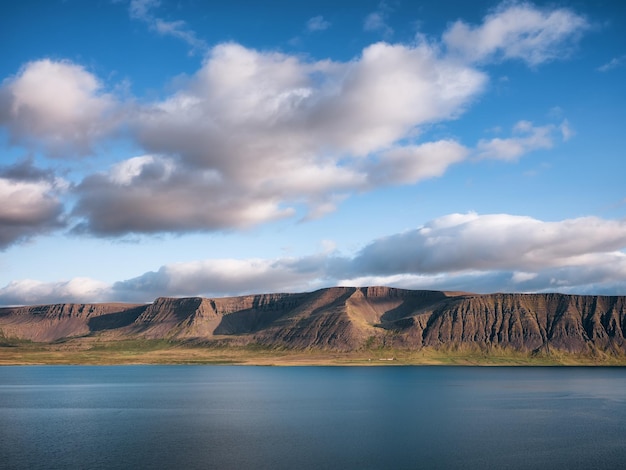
78 352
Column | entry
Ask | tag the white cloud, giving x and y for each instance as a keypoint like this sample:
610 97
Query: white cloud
317 23
57 106
520 276
566 130
77 290
30 208
413 163
215 278
28 201
389 92
377 20
142 10
151 194
31 204
615 62
468 252
517 30
255 135
178 29
470 242
128 172
402 281
527 138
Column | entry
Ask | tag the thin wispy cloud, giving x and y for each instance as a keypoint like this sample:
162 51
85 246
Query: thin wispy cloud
143 10
526 138
317 23
517 30
614 63
566 130
376 21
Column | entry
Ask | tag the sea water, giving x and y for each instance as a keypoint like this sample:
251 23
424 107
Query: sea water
239 417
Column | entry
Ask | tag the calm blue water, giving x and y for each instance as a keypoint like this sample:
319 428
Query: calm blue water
187 417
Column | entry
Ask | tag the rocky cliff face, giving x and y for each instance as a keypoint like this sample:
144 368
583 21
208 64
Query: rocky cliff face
526 322
346 318
52 322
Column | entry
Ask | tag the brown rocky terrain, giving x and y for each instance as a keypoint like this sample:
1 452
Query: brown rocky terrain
345 319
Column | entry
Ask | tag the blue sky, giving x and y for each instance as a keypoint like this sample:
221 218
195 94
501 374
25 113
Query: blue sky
187 148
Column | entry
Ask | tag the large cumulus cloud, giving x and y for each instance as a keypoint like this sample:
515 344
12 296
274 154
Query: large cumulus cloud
56 106
254 134
462 242
31 203
257 135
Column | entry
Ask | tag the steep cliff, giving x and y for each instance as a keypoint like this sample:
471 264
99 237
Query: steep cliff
346 318
53 322
529 322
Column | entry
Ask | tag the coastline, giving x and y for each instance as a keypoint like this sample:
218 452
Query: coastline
162 352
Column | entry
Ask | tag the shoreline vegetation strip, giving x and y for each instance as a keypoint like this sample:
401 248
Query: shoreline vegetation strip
162 352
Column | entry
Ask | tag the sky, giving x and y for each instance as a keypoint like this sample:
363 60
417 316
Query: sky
201 148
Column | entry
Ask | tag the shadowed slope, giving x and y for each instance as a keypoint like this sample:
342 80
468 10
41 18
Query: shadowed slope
52 322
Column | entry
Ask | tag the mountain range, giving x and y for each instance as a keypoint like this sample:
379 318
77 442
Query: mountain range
344 319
